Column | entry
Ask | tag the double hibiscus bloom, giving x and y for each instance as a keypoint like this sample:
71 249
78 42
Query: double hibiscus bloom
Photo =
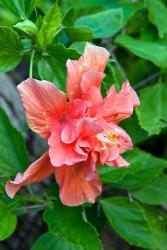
81 128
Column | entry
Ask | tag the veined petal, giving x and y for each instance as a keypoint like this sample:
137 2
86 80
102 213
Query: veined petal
43 102
75 189
95 57
36 172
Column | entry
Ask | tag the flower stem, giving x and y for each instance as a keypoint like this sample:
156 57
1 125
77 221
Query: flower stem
31 64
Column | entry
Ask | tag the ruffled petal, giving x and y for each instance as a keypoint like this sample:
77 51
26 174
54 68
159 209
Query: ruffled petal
94 59
88 127
75 189
118 162
127 90
43 103
90 84
62 153
117 106
36 172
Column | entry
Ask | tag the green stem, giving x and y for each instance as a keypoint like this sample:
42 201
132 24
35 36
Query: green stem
31 64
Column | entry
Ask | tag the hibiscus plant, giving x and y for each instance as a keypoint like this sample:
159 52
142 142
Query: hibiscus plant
103 162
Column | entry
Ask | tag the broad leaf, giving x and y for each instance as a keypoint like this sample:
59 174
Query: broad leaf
140 227
153 193
103 24
152 113
143 169
51 24
50 241
11 50
151 51
13 154
52 64
8 221
157 14
79 33
22 8
69 224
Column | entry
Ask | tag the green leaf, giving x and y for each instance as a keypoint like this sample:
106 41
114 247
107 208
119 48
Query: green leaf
52 64
151 51
11 50
133 128
50 26
8 221
13 154
153 193
50 241
20 8
27 28
152 114
69 224
78 46
157 15
103 24
140 227
143 169
79 33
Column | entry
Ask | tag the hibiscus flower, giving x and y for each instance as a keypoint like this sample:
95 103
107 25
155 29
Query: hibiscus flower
81 128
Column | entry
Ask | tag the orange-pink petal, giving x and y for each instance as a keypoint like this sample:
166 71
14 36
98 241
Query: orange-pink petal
117 106
75 189
95 57
43 103
63 153
37 171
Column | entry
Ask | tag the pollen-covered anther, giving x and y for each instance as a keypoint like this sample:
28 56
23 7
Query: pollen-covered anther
108 138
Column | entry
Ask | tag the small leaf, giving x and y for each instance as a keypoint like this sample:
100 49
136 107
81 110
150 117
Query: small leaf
157 15
11 50
8 221
152 114
140 227
69 224
153 193
52 64
103 24
13 154
143 169
50 241
151 51
51 23
20 8
27 28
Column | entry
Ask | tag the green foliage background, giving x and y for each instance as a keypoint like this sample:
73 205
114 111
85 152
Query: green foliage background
46 34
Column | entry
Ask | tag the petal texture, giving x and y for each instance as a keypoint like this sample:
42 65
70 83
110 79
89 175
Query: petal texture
36 172
75 189
43 103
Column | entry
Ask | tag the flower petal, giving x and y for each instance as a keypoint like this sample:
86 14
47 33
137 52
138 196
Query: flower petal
95 57
117 106
75 189
90 84
36 172
118 162
61 153
43 102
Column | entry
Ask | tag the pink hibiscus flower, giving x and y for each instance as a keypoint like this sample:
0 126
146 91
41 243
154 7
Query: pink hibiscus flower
81 128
